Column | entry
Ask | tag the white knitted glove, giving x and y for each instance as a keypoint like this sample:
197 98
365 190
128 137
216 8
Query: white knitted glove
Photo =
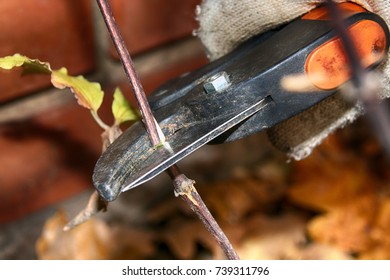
224 24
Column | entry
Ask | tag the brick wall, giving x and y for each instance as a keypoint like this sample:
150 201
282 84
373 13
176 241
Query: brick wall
48 145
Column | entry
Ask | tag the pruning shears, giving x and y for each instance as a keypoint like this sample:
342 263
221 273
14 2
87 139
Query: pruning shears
240 94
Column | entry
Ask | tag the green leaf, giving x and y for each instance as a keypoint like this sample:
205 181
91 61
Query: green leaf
88 94
29 65
122 109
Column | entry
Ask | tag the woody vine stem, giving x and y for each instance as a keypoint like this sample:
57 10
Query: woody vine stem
365 86
184 187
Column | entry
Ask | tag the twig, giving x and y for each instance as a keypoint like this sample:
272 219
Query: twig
347 43
365 86
143 105
183 186
95 203
94 206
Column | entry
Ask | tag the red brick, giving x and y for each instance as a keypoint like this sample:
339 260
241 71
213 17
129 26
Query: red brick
56 31
46 159
148 23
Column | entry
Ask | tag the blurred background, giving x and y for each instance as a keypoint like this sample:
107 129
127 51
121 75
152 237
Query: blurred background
333 205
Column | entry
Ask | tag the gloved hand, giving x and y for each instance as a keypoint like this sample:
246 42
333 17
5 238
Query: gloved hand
224 24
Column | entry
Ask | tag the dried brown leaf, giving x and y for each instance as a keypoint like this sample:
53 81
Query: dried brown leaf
93 239
348 228
349 186
272 237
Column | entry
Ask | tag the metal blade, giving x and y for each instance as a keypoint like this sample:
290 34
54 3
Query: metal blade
142 162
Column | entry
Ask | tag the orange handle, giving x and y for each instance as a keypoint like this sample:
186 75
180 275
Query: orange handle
327 66
322 13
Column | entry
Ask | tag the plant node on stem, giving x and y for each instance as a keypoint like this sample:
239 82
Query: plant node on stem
184 187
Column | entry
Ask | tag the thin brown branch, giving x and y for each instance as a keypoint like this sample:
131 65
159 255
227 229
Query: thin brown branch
94 206
353 58
95 203
183 186
143 105
365 86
